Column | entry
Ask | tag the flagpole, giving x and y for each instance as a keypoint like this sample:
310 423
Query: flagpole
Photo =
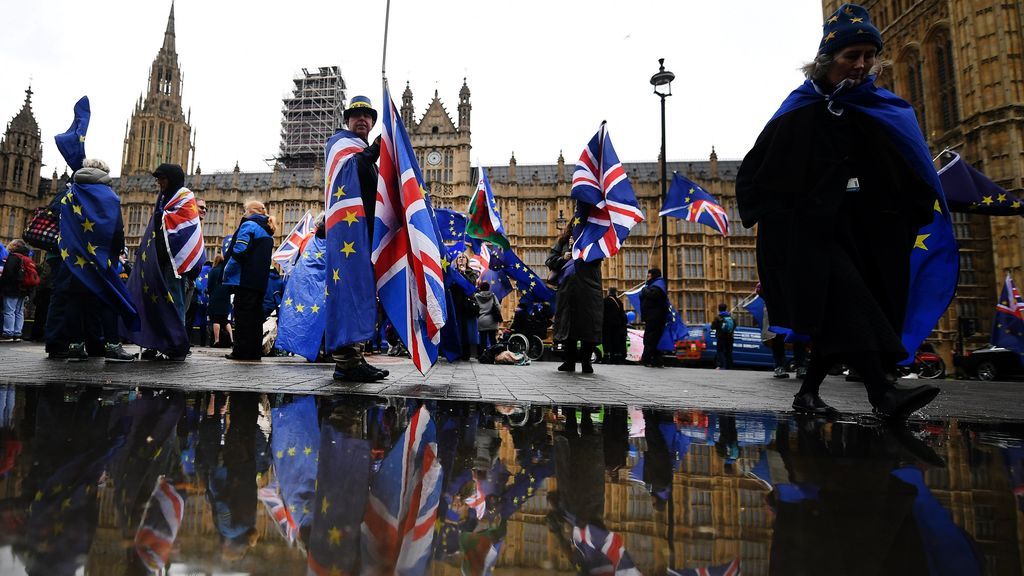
384 57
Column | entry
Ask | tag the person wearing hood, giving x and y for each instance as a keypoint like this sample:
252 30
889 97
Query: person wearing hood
247 272
490 316
840 183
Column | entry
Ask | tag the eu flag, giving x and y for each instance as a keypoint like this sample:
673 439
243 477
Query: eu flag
351 297
71 143
934 261
451 223
1008 324
531 288
302 317
687 200
968 190
296 444
90 216
342 491
160 326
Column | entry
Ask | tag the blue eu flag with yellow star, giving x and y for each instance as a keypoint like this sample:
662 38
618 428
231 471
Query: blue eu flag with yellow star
342 491
302 318
350 283
968 190
1008 324
90 218
295 444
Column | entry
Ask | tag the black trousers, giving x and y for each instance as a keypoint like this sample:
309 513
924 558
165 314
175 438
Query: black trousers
248 308
652 335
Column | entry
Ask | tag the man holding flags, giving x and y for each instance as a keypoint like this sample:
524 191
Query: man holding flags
350 197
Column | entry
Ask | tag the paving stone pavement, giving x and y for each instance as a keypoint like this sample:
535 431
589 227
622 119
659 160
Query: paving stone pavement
24 363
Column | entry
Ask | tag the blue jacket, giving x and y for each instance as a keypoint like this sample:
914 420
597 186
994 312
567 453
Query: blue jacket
248 264
275 288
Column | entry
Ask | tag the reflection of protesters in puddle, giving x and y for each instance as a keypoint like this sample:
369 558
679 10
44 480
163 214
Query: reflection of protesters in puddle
847 502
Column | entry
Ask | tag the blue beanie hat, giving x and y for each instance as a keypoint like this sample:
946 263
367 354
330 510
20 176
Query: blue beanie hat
848 25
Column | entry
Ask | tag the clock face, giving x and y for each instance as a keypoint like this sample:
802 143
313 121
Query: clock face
434 158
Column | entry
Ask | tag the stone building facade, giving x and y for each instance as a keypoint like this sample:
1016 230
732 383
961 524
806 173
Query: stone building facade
959 63
21 161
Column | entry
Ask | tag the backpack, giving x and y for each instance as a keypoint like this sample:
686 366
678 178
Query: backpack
28 275
728 325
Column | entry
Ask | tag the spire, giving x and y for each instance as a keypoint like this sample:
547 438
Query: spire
464 107
169 32
407 112
25 121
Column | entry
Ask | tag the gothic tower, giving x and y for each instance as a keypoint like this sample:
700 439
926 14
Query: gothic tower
464 107
21 161
442 146
158 131
407 112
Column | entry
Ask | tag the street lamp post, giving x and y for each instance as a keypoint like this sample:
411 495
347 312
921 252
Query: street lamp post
662 82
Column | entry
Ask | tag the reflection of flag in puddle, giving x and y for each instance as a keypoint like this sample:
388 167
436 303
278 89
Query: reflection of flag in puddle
160 522
271 498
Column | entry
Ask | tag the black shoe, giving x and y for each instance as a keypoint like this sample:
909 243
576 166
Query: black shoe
382 371
899 403
117 353
586 368
233 356
809 403
567 367
57 355
149 354
77 353
358 373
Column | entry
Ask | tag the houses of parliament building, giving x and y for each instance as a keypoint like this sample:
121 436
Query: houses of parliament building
958 62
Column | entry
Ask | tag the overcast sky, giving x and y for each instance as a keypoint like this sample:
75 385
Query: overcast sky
543 74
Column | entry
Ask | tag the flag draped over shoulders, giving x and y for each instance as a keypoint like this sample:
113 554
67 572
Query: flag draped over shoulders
183 231
90 217
407 253
302 317
934 261
350 297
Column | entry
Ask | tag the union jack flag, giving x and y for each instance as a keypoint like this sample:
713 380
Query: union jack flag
407 251
602 552
1008 324
687 200
270 495
730 569
183 232
481 261
398 528
478 500
160 523
289 250
604 198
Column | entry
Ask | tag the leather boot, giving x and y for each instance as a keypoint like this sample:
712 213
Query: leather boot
899 403
585 352
569 365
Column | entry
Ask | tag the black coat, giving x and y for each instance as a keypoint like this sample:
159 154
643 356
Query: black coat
653 306
614 326
833 263
220 295
579 312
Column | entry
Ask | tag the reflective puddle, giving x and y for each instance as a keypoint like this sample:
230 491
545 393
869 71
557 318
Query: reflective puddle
104 482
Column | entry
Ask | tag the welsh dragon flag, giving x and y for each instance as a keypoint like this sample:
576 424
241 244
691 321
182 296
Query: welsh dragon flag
484 221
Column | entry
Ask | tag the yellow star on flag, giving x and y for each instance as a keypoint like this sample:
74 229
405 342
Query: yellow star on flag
334 535
300 308
856 20
77 209
938 208
1015 204
348 249
350 217
919 243
280 454
315 309
831 35
319 254
1001 198
64 253
152 298
986 200
170 298
80 262
143 256
576 221
90 248
833 20
288 302
307 450
88 225
445 263
335 275
340 192
291 451
324 505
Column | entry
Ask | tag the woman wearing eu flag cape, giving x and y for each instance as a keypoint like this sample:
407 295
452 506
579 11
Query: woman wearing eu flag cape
854 243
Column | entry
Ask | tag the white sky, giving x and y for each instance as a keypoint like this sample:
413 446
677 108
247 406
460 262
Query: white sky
542 74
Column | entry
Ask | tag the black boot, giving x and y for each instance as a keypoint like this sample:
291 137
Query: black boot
569 364
586 350
899 403
811 403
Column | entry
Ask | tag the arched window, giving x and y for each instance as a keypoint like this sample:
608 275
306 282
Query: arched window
944 72
912 84
19 170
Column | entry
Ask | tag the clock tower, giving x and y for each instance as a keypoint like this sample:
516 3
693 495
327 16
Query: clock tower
442 147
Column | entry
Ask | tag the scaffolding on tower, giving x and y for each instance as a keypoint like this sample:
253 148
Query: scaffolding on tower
310 116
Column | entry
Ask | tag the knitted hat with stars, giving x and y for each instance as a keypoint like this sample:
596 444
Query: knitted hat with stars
848 25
